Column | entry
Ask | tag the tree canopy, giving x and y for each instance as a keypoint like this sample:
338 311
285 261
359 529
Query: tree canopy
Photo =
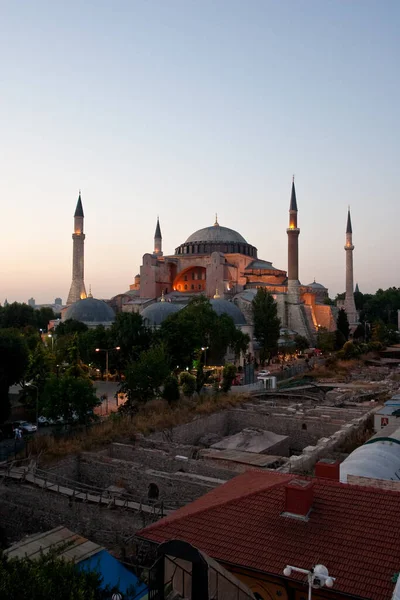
49 577
266 323
342 323
14 359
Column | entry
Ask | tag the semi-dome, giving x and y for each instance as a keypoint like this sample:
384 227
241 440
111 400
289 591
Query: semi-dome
216 233
90 310
156 313
224 307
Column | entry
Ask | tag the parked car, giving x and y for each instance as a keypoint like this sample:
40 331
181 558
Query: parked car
43 421
25 426
264 373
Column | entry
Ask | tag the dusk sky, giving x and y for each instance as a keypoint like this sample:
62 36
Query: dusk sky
185 108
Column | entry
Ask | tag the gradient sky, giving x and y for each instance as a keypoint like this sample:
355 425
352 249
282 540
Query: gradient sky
184 108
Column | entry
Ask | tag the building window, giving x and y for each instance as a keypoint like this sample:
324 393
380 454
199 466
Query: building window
193 277
192 286
304 426
185 287
199 286
185 278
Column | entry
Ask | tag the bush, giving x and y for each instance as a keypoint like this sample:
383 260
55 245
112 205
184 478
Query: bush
171 389
228 375
188 383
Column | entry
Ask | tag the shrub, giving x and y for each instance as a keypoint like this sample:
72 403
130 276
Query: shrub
228 375
188 383
171 389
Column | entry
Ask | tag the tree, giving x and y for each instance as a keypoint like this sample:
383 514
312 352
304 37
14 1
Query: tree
17 316
188 383
43 316
342 323
144 378
228 375
196 326
49 577
13 364
301 342
132 336
266 323
68 397
325 340
69 327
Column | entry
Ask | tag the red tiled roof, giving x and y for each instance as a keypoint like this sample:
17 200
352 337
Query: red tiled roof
351 529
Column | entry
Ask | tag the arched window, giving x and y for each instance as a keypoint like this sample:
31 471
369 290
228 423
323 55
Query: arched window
304 426
185 286
153 492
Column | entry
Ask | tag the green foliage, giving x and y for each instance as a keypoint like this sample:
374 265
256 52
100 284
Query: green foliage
188 383
131 335
171 389
340 340
70 326
63 396
301 342
342 323
48 577
43 316
266 323
144 378
185 332
13 365
228 375
325 340
384 334
329 302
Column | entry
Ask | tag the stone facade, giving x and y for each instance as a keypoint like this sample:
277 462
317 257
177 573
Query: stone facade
77 290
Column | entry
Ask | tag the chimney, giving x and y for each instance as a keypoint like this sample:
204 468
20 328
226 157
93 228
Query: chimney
327 468
298 498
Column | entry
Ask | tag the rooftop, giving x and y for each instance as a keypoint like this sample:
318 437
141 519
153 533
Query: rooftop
216 233
241 523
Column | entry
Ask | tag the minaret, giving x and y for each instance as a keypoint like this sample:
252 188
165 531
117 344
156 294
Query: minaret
77 290
158 240
293 250
349 304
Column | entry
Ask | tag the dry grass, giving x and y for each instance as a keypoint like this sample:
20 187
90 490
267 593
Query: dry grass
156 415
340 371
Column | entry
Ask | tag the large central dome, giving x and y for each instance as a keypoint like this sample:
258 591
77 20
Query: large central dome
216 233
216 239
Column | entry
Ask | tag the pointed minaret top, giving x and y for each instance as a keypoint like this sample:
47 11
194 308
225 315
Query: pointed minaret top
293 201
216 295
158 230
357 290
216 224
79 208
90 291
349 228
162 296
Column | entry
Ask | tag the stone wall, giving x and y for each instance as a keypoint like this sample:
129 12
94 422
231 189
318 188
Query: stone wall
162 461
174 488
26 510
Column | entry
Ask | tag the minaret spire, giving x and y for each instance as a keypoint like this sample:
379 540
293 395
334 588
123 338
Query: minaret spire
158 239
293 233
77 290
349 303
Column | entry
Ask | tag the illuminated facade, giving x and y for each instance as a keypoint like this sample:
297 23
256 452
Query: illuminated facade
218 260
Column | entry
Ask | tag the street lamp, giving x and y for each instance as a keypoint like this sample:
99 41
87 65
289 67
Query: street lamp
317 577
52 341
37 401
107 350
205 348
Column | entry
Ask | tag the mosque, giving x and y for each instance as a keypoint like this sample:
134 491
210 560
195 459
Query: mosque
218 262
